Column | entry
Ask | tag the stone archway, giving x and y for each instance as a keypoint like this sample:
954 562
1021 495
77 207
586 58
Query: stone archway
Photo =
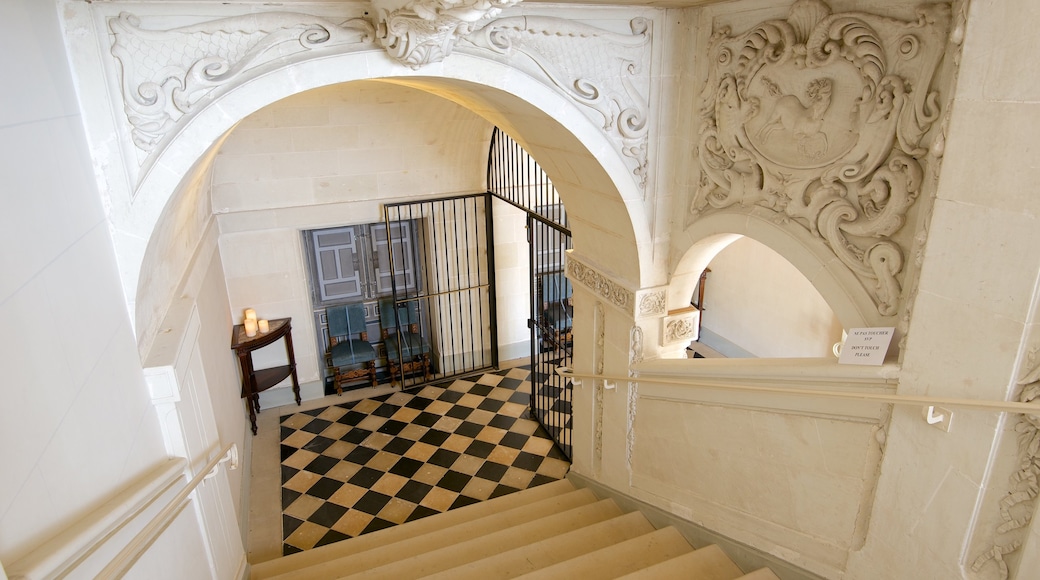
608 218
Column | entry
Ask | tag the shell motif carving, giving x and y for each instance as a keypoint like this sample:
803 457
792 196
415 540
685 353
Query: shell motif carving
819 120
165 73
605 72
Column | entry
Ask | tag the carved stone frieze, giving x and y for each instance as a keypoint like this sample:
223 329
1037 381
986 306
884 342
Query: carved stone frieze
421 32
679 328
1016 508
598 354
166 73
651 303
605 72
635 355
819 120
599 283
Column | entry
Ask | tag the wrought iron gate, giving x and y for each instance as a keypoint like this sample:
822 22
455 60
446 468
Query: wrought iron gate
443 324
514 176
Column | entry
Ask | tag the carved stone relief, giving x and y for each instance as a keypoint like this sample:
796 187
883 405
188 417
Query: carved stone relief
599 283
605 72
651 303
601 339
679 328
1016 508
166 73
635 355
421 32
819 122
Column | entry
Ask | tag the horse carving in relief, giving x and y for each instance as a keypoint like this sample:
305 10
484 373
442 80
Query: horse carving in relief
804 123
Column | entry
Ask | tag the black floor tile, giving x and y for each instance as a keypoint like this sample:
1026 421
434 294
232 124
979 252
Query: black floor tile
371 502
412 457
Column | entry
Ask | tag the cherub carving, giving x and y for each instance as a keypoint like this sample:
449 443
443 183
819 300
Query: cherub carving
804 123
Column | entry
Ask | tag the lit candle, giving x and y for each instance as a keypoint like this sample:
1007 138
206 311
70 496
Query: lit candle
250 314
263 326
250 324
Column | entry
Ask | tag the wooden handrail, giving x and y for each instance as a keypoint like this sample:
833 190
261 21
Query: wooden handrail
611 381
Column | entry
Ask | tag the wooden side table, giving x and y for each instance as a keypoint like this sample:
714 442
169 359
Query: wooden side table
255 382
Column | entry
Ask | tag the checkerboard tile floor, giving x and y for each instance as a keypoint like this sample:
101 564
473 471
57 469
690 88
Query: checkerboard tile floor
359 467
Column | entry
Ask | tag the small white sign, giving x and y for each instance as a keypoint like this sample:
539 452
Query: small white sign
866 346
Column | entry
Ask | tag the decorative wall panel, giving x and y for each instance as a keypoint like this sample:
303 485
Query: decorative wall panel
818 121
166 73
605 72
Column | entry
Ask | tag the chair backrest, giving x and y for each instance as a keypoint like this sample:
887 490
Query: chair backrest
407 313
346 320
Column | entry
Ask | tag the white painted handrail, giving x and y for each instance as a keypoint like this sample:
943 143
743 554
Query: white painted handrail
59 557
916 400
136 547
63 553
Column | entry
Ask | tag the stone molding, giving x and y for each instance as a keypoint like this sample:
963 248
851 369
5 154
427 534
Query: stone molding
599 284
605 72
821 119
423 32
1017 506
164 74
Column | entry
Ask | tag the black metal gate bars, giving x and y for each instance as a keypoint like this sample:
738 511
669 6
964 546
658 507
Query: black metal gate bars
443 324
514 176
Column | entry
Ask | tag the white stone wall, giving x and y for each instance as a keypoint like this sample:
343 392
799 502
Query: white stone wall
75 417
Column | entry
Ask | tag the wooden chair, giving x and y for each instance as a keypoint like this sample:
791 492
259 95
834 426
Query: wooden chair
406 349
351 358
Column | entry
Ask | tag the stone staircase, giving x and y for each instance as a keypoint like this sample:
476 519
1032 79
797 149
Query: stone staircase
549 531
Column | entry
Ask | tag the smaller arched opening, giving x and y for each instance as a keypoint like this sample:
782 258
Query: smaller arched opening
769 294
754 303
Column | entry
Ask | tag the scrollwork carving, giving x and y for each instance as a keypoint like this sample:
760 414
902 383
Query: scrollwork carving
605 72
599 283
820 119
652 303
679 329
165 73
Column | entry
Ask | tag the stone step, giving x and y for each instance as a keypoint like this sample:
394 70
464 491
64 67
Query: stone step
619 559
547 552
490 545
440 537
760 574
417 528
707 563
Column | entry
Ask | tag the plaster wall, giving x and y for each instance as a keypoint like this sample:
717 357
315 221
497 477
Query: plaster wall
759 301
76 419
